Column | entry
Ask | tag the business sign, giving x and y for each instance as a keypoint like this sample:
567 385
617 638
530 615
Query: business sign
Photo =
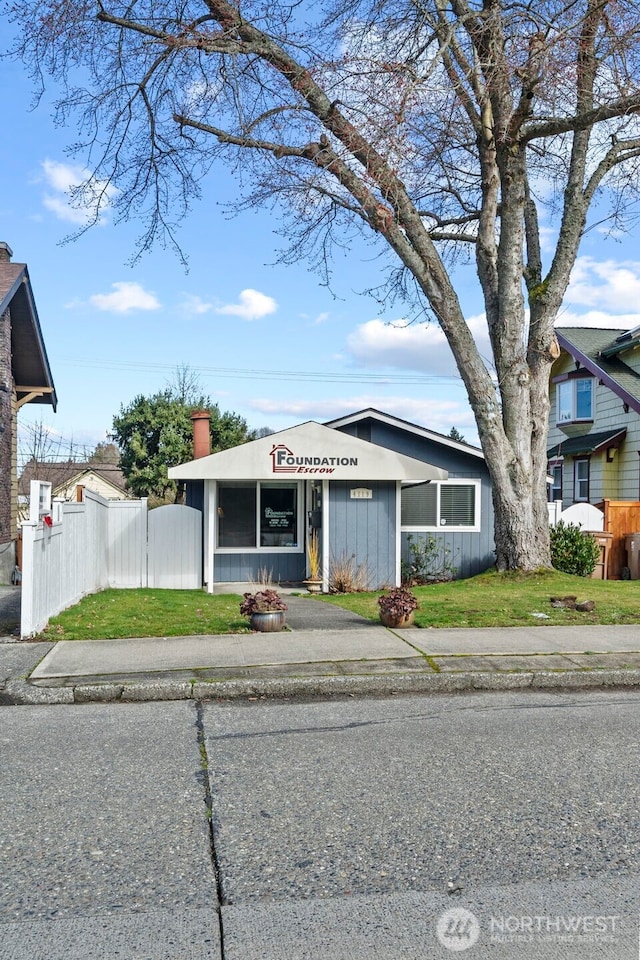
276 519
284 460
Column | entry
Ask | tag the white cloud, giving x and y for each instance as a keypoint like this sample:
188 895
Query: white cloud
59 206
195 305
599 319
321 318
252 306
125 297
438 415
415 346
608 285
62 179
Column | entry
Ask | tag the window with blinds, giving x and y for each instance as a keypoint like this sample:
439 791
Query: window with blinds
436 505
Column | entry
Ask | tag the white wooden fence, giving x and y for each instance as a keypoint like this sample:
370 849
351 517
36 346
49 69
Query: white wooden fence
104 543
583 515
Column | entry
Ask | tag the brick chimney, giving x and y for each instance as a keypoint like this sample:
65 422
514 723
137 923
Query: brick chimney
201 435
5 252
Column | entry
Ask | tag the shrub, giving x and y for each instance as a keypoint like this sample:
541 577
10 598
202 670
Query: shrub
398 603
263 601
573 551
347 576
429 561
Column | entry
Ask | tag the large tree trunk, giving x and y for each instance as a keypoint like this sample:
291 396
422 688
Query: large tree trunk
518 468
521 528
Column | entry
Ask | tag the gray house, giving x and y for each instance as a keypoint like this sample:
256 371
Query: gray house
364 483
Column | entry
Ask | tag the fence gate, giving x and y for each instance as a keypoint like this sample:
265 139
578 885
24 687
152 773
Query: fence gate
174 548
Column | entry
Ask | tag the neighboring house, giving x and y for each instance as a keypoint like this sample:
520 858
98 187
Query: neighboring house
594 427
365 482
65 478
25 377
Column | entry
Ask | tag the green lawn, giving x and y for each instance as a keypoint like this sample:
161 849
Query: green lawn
147 613
489 600
505 600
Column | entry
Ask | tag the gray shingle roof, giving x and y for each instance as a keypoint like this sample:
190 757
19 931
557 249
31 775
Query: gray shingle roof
588 344
587 443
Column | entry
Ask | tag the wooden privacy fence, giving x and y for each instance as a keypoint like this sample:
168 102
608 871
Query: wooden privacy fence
105 543
621 517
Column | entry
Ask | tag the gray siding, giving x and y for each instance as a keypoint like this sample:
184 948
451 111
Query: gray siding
194 494
365 530
243 567
471 553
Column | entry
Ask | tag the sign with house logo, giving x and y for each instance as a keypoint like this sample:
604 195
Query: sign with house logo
284 460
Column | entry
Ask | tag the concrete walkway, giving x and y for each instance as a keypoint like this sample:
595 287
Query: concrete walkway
9 610
325 651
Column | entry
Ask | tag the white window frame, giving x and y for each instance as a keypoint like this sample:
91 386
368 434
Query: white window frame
553 466
445 527
572 383
580 480
258 549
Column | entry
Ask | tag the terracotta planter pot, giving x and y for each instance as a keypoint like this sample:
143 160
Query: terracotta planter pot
389 620
268 621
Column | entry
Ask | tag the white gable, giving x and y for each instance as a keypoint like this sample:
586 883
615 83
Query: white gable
305 452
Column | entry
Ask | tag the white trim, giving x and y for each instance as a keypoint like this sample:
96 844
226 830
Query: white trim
577 481
371 414
447 528
300 525
325 536
398 534
573 382
305 452
210 500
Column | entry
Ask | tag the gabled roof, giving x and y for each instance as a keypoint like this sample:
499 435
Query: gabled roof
61 474
306 452
30 365
591 347
372 414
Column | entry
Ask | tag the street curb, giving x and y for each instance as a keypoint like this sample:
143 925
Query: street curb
19 692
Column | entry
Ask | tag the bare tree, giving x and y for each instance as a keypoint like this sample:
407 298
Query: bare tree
38 443
185 386
435 127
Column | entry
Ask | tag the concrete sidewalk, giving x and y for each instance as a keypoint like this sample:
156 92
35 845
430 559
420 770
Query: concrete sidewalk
359 658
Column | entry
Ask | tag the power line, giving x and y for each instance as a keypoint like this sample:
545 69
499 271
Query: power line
239 373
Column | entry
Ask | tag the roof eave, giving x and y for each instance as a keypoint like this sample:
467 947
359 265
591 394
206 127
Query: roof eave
40 341
405 425
590 364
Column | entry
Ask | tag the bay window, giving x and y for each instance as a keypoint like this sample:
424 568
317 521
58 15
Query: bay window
575 399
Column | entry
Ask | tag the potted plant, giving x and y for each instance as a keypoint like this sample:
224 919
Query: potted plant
397 607
265 609
314 580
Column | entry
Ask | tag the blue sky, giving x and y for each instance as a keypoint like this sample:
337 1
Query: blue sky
267 341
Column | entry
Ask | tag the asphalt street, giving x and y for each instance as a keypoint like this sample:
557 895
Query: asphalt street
496 825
